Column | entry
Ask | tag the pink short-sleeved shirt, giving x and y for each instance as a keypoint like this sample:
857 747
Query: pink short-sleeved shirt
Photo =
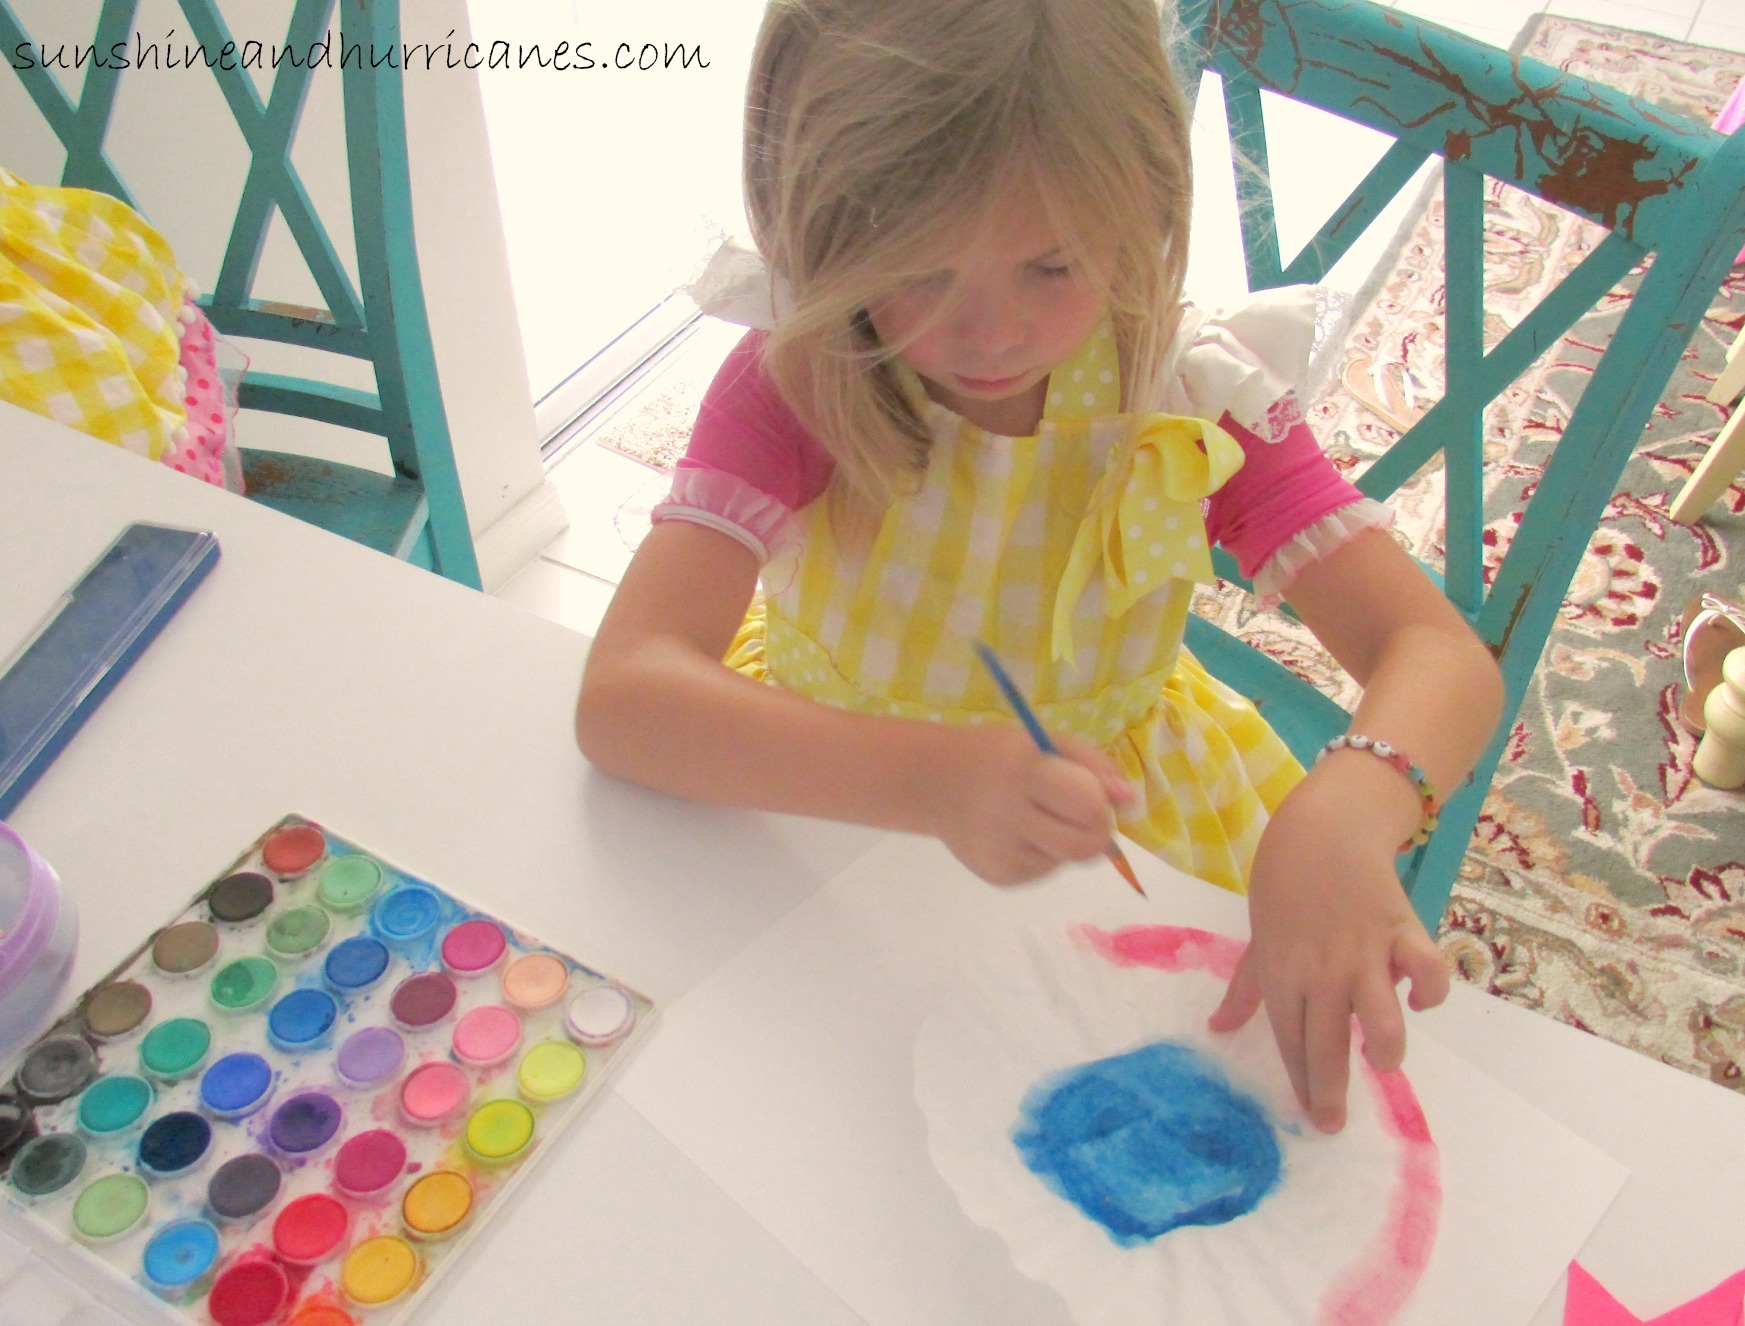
751 464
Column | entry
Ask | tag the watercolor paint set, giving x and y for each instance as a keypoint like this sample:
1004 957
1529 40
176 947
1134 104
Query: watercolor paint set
296 1101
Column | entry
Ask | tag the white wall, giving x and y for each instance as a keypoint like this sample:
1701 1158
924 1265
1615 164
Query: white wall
613 182
176 145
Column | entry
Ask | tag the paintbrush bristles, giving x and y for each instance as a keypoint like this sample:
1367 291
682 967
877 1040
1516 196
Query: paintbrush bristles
1119 857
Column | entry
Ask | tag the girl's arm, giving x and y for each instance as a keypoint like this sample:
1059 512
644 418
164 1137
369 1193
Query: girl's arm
1333 931
658 707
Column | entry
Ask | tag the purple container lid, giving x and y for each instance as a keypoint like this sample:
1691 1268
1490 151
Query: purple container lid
25 931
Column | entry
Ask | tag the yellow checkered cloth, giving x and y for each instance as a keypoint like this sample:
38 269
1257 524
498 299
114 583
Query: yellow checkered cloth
1073 554
89 299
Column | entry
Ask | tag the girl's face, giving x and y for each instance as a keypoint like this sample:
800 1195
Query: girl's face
986 330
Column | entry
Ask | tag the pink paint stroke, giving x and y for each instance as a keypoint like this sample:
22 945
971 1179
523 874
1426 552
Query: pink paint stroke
1167 948
1372 1289
1588 1303
1379 1282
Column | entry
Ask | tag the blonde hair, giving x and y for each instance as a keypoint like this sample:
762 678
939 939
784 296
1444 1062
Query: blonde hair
875 130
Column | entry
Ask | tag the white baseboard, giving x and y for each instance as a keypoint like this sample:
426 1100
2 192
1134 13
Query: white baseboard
520 534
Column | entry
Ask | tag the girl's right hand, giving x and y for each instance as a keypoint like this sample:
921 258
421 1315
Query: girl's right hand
1016 812
658 707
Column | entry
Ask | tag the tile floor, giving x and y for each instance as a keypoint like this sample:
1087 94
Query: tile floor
572 580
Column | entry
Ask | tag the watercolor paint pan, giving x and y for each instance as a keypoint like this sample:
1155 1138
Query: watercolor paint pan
302 1095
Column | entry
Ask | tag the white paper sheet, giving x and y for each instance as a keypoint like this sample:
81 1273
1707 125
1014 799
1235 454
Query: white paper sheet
1339 1238
787 1076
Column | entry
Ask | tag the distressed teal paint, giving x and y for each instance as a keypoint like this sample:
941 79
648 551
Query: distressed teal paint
1665 187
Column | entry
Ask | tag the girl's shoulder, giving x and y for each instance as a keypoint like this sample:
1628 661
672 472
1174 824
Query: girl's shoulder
1239 360
746 429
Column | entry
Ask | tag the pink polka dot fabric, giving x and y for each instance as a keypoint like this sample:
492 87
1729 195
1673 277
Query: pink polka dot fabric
205 449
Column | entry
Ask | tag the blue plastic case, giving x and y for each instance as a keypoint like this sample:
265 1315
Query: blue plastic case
50 685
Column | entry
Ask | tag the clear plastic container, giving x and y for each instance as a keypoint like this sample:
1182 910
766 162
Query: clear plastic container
38 932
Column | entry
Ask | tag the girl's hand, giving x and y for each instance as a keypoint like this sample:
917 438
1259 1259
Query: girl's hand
1333 933
1017 812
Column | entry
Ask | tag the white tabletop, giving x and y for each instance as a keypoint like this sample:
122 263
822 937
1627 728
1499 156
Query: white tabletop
433 724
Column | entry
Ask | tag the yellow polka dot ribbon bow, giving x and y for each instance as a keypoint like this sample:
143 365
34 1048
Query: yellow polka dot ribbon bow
1144 523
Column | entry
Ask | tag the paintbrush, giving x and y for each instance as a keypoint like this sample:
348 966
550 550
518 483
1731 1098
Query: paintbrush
1040 736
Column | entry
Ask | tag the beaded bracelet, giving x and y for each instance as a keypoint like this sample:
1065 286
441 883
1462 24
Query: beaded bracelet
1426 825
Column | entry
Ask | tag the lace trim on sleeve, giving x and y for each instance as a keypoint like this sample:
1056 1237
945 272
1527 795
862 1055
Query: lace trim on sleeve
725 502
1281 416
1308 546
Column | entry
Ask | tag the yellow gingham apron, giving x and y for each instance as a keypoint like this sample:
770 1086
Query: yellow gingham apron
1073 554
89 298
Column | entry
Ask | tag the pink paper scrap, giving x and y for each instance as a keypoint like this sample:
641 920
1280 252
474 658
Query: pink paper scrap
1589 1304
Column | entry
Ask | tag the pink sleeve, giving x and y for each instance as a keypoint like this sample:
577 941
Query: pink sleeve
1282 489
744 428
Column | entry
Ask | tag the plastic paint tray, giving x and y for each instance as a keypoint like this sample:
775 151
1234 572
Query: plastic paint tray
301 1095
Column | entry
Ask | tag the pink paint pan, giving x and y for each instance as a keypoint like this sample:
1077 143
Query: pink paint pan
486 1036
473 948
434 1093
369 1164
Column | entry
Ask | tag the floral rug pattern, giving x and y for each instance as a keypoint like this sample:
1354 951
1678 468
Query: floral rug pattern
1605 885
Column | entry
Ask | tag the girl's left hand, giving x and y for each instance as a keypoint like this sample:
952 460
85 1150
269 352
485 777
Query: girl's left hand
1333 934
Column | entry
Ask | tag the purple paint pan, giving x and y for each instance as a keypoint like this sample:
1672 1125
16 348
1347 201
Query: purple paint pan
305 1123
369 1057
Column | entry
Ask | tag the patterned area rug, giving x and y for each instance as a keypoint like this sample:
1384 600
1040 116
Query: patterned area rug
1606 884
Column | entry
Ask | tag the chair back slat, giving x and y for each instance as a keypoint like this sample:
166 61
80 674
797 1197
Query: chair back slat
97 102
1463 331
345 407
380 318
1603 428
81 128
1256 213
273 183
387 254
1548 322
1245 116
1348 222
289 324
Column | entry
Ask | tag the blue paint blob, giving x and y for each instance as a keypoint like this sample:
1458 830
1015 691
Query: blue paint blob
237 1085
301 1019
406 914
180 1254
1148 1141
356 964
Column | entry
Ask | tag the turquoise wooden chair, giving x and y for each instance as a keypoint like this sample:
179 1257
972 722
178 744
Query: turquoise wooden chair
1664 187
416 512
